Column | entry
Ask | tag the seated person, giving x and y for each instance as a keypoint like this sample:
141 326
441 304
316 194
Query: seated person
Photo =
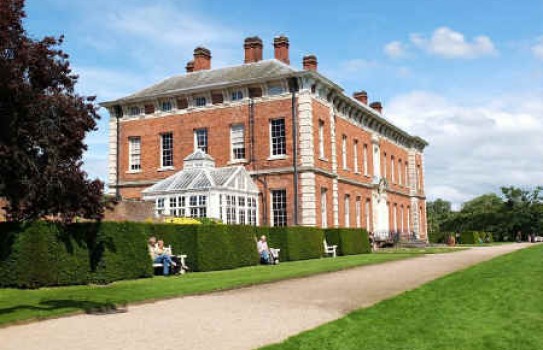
266 256
160 255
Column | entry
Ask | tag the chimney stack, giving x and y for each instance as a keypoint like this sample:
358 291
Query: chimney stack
190 66
253 49
361 96
202 59
280 44
310 63
377 106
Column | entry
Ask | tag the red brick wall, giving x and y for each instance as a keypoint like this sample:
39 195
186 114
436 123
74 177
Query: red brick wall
130 210
323 181
218 122
322 113
353 133
398 153
353 191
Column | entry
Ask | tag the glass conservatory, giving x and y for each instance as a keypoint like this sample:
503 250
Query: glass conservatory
203 190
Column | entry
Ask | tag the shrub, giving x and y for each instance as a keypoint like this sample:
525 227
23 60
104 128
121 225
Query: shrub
46 254
209 247
349 241
438 237
296 242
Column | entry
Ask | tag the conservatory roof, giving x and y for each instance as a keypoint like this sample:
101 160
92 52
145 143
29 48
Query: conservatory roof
194 178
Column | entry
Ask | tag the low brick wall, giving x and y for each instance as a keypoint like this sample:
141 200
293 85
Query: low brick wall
129 211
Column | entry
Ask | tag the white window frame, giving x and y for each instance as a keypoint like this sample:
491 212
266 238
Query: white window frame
368 213
279 210
355 155
198 101
165 103
358 213
347 210
237 142
365 160
236 95
163 150
385 165
203 137
324 209
395 217
400 181
406 169
134 154
132 111
321 139
392 176
344 151
278 142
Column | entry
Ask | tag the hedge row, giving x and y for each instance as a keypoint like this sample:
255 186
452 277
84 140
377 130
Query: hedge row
349 241
46 254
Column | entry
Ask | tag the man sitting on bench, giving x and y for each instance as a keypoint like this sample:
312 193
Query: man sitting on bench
160 255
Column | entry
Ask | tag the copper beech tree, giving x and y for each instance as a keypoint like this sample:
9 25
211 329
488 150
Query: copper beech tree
43 123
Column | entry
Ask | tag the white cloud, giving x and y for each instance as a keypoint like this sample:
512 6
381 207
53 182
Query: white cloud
537 48
395 49
474 149
447 43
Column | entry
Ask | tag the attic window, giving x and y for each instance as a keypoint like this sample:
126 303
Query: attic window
237 95
275 89
166 106
134 111
200 101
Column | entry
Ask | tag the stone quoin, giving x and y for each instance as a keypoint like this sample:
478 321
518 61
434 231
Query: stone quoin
318 156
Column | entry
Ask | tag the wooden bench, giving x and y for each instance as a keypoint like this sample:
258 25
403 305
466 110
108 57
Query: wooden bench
182 258
329 249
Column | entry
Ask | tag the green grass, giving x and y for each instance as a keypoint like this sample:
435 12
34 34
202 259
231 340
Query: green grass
23 305
430 250
494 305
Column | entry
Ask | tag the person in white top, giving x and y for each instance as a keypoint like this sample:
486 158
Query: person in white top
263 250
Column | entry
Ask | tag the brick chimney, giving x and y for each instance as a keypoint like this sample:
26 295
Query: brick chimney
202 59
361 96
190 66
280 44
253 49
377 106
310 62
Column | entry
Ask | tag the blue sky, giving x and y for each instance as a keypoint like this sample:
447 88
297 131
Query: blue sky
465 75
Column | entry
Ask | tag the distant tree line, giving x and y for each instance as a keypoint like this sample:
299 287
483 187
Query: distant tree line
502 215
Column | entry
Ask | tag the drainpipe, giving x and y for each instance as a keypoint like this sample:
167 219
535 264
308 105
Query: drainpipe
118 115
293 83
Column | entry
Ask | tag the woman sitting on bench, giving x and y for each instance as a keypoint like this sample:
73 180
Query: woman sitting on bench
159 255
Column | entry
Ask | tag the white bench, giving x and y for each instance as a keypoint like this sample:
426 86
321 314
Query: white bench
168 250
329 249
275 255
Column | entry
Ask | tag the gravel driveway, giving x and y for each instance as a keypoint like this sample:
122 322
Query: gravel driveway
244 318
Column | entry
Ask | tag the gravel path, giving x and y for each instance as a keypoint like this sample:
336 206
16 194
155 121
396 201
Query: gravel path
244 318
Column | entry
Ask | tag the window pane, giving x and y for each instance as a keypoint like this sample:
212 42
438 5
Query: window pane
167 149
134 153
237 140
278 137
279 207
200 139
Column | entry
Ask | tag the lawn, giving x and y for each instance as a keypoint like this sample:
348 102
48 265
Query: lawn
21 305
494 305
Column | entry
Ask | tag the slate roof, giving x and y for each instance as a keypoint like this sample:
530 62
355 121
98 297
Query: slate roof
262 70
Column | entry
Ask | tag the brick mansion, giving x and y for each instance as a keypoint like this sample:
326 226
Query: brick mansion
265 143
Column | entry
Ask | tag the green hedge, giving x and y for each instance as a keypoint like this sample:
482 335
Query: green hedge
46 254
349 241
295 242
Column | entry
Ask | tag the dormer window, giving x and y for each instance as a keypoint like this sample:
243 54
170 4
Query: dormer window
275 89
134 111
200 101
237 95
166 106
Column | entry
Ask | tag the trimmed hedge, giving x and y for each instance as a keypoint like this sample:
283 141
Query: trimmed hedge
348 241
46 254
295 242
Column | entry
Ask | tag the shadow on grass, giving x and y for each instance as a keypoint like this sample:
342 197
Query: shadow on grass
89 307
